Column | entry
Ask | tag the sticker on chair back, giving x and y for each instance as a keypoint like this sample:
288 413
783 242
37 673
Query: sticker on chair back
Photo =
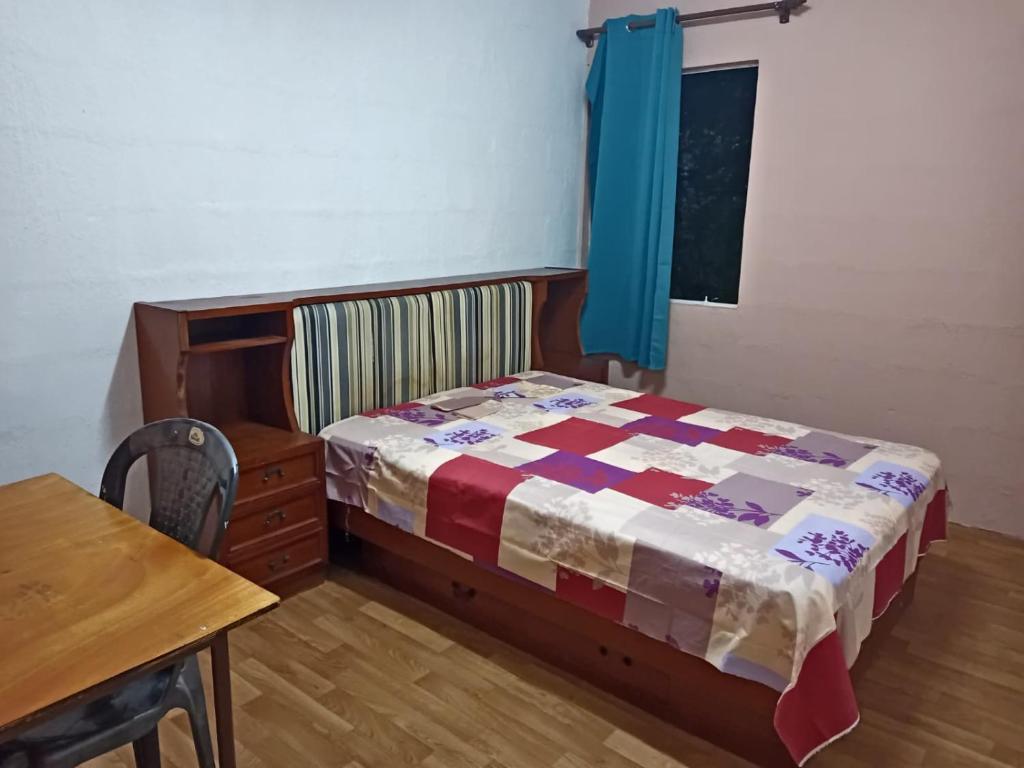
196 436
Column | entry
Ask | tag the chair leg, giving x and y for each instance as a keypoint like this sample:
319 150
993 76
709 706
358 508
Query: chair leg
147 750
191 684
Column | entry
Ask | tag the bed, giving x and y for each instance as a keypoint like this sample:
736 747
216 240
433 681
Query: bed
763 547
721 570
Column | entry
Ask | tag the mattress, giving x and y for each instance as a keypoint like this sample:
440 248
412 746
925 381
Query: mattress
765 547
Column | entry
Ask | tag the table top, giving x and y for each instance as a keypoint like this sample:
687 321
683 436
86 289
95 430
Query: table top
90 597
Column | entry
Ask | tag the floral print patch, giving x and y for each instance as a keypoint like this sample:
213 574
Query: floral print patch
462 436
823 448
570 401
748 499
825 546
414 413
901 483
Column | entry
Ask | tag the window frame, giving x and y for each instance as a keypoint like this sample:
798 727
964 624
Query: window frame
745 64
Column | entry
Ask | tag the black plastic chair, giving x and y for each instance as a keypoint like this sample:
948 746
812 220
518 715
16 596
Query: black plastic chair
190 462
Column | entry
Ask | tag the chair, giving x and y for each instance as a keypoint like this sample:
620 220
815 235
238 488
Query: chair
189 462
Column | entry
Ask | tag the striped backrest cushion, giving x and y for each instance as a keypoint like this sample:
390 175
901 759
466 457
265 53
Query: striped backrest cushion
481 333
354 356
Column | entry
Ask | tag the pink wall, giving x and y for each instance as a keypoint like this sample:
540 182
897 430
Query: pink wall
882 290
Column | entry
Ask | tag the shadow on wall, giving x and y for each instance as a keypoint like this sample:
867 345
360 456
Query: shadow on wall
122 415
122 410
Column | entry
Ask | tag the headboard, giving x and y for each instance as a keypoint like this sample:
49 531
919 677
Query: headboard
229 360
265 368
357 355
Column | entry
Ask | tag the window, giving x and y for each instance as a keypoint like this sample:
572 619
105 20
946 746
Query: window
716 127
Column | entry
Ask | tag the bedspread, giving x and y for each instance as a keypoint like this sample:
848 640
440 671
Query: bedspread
762 546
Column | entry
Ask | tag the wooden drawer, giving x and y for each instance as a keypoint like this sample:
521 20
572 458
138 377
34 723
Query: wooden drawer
276 475
253 523
632 677
282 560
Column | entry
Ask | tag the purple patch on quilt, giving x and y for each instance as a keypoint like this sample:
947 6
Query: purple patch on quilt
580 472
566 403
462 436
669 429
348 464
343 489
748 499
349 457
822 448
670 599
823 545
901 483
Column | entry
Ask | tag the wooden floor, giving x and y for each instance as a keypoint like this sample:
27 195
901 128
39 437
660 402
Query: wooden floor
355 674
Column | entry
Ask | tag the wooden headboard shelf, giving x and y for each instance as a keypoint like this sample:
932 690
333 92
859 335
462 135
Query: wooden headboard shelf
271 302
226 360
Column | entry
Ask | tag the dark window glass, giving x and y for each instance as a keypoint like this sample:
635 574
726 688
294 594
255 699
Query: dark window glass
716 126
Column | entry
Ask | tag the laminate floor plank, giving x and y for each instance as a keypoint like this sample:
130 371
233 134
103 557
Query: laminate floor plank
353 674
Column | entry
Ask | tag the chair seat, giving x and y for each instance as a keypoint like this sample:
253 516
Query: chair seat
13 756
124 704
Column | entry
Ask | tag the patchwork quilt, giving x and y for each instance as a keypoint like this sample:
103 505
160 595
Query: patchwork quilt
762 546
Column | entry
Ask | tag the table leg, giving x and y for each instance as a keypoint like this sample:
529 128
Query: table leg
147 750
222 700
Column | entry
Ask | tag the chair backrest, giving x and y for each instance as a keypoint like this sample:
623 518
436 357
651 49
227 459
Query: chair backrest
189 461
355 356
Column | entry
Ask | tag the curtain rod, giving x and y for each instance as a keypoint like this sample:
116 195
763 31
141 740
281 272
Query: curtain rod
781 7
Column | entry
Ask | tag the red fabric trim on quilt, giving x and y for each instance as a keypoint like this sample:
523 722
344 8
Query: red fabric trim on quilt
654 405
660 487
574 435
466 503
889 576
391 409
499 382
934 528
821 705
749 441
589 593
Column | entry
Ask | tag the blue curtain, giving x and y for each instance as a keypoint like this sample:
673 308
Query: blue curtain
632 154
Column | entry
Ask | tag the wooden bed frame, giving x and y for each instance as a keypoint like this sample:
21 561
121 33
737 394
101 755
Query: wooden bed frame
685 690
238 377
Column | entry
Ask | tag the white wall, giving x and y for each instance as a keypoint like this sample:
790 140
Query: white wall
154 150
882 288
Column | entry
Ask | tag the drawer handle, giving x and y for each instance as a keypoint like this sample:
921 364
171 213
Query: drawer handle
271 472
278 563
462 592
278 514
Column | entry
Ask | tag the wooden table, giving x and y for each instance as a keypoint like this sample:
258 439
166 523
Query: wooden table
91 598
